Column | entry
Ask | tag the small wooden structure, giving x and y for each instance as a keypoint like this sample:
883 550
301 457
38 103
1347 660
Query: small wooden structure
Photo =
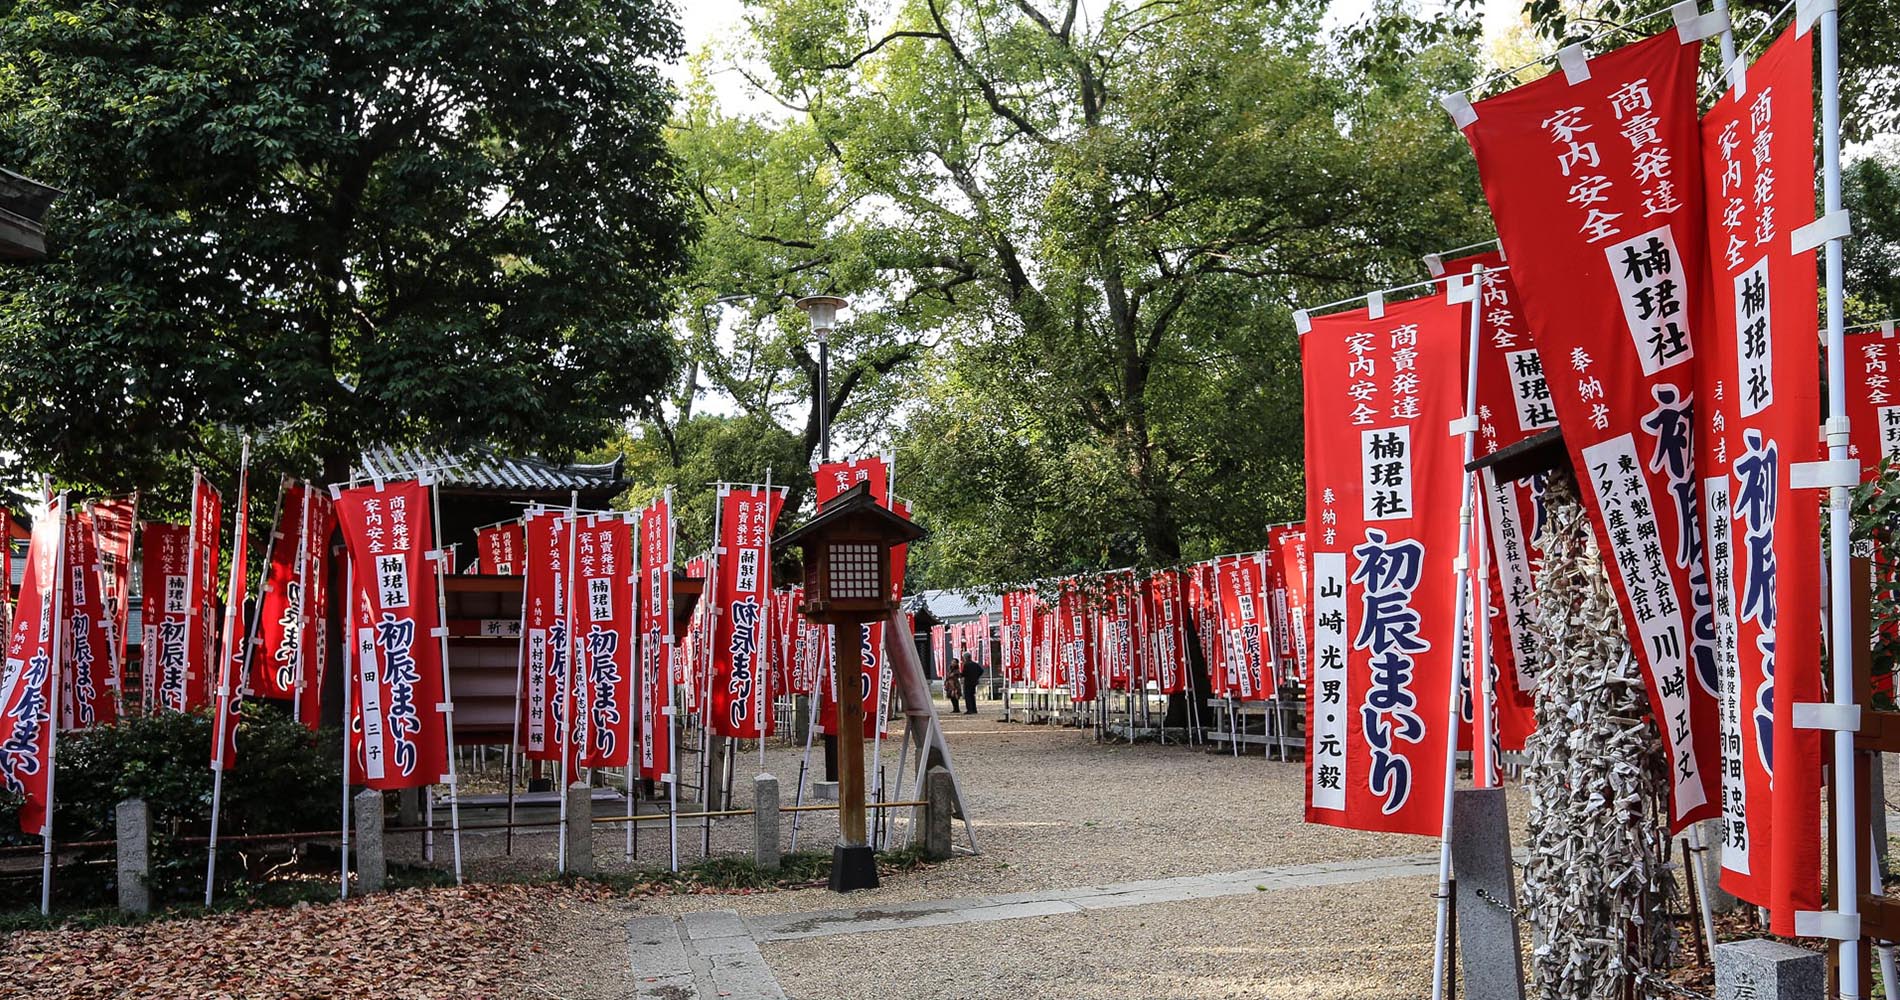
845 551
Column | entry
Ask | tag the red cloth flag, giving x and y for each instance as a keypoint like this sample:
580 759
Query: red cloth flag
498 549
231 647
88 682
741 703
1075 639
544 635
604 631
1289 548
1168 637
113 524
938 654
177 647
399 733
164 576
1203 604
292 620
1873 398
1760 392
1598 205
1514 403
874 673
1241 614
656 640
833 478
1382 480
26 698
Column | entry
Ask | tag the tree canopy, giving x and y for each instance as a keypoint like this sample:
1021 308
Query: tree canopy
334 223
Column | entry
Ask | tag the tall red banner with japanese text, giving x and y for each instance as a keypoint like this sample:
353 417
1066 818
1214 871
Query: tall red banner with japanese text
1075 645
1514 403
1239 589
26 698
398 726
1166 631
741 705
227 707
831 479
1597 194
1873 397
1382 477
938 654
656 639
604 629
292 652
88 683
1760 394
164 649
498 549
1289 547
545 698
114 522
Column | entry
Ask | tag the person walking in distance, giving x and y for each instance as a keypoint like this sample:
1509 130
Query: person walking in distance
972 672
953 685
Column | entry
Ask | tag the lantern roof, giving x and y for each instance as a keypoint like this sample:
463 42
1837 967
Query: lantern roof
856 509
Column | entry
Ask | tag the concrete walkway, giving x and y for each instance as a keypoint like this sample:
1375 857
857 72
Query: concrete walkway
716 954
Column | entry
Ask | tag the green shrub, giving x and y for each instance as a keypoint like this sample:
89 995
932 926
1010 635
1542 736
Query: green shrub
285 779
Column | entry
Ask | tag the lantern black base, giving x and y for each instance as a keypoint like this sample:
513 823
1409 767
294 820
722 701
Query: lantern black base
853 867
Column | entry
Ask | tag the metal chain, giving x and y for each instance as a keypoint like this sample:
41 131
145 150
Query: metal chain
1647 981
1485 894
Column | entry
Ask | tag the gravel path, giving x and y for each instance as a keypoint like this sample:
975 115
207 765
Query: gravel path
1054 810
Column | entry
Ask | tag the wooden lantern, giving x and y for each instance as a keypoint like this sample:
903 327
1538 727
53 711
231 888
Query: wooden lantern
846 551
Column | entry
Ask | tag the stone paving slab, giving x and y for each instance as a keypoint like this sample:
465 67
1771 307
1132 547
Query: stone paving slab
1012 906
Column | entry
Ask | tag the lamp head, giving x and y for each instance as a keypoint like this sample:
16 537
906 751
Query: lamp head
823 310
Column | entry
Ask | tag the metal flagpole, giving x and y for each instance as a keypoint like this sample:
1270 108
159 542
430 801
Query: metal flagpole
233 602
1845 927
564 584
666 673
709 604
1486 735
349 681
53 707
521 660
822 678
443 565
1467 428
765 622
630 775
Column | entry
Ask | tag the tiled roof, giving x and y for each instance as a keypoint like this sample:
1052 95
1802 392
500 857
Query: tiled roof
483 469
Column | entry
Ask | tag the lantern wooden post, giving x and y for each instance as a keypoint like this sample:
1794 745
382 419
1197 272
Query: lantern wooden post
846 554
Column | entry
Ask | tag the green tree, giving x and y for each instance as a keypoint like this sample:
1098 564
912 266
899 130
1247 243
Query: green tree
335 223
1123 209
1870 191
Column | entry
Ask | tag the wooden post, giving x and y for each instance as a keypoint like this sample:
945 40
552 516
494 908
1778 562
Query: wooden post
850 655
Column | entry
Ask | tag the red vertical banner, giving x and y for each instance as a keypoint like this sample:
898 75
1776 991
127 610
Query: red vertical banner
544 639
234 641
1242 615
1290 548
1873 397
983 640
114 522
1598 201
190 689
656 640
26 697
1514 403
874 672
604 624
1166 618
1382 480
1760 391
833 478
1116 631
1075 646
1203 602
398 724
741 706
164 649
938 654
88 683
292 652
498 549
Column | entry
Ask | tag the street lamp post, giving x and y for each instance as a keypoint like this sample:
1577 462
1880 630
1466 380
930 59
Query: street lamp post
823 310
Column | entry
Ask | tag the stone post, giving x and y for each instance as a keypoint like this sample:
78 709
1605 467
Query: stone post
941 799
580 828
1764 969
135 856
765 852
372 866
